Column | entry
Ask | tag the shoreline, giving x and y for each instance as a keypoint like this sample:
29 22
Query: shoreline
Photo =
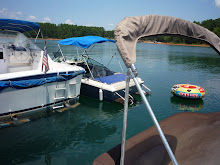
49 39
169 43
150 42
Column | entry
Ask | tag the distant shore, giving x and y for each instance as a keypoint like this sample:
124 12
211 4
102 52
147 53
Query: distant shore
50 39
169 43
150 42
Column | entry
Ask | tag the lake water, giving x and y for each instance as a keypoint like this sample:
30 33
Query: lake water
79 135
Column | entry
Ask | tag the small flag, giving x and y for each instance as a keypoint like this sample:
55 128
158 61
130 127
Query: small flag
45 64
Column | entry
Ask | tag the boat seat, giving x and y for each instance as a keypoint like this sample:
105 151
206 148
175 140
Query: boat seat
98 71
112 78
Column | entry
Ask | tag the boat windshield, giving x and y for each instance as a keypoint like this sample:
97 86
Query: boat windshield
91 61
17 39
95 69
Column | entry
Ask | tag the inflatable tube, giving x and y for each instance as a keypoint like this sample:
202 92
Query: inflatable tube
188 91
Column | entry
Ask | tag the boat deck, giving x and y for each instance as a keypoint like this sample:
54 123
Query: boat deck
193 137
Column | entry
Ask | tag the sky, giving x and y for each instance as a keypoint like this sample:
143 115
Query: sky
106 13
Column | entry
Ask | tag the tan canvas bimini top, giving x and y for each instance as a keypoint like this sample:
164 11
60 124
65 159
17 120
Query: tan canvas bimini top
130 29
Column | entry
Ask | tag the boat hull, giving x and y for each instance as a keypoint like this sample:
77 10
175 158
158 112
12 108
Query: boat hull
15 100
110 96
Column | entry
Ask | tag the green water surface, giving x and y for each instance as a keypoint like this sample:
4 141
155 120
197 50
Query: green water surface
79 135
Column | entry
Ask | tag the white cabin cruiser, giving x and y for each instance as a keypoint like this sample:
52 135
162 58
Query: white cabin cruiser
26 82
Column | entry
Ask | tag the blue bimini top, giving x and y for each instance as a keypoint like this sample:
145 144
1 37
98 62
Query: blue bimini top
18 25
112 78
84 42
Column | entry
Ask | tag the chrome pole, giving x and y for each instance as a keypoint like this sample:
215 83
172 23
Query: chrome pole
133 73
37 36
125 119
60 50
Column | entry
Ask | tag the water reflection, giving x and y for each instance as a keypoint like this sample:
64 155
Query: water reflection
61 131
186 104
97 108
206 61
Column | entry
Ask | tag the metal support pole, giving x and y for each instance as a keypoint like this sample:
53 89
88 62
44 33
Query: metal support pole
125 119
133 75
60 50
37 36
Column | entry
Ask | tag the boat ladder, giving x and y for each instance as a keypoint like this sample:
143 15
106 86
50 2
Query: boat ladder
60 97
131 99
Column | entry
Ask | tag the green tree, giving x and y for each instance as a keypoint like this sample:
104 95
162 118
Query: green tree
217 31
62 31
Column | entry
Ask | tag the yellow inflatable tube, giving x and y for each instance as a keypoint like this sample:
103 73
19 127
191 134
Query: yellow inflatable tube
188 91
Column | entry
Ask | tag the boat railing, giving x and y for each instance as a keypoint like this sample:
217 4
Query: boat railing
132 72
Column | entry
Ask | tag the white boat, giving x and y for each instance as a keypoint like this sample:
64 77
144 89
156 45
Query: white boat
99 81
26 83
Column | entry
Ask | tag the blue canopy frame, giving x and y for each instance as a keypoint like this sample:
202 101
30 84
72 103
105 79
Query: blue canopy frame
84 42
18 25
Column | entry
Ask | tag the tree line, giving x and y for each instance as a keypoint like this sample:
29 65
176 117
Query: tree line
212 25
62 31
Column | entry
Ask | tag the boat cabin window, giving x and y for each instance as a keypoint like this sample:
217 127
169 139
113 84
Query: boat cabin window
1 54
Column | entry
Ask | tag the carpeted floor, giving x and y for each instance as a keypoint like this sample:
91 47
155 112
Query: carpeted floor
193 137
